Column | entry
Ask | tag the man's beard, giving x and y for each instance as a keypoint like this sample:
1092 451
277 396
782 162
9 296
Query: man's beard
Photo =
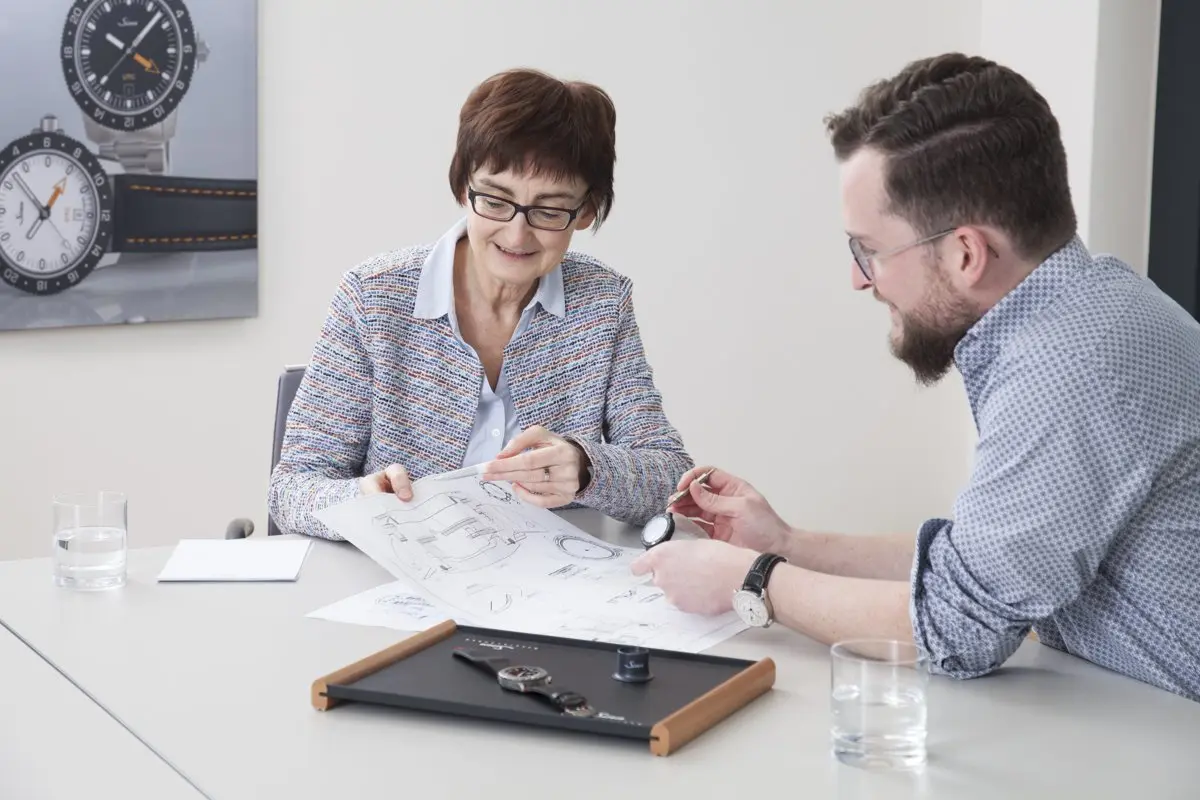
928 337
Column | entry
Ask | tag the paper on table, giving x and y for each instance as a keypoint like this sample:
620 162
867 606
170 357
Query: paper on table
236 560
477 553
396 605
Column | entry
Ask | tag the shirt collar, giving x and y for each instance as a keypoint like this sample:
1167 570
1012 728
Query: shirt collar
435 290
1042 287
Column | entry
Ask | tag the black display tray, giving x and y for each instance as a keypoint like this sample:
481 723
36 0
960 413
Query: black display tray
687 695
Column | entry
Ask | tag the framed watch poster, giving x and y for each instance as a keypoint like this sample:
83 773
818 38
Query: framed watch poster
128 162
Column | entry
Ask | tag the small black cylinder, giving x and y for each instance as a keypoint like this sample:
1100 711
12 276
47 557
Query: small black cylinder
633 665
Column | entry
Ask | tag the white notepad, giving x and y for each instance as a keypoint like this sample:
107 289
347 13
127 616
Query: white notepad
236 560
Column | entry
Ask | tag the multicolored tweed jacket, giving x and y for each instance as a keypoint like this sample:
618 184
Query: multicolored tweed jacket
385 387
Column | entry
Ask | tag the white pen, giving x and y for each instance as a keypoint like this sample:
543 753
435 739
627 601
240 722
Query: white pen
477 469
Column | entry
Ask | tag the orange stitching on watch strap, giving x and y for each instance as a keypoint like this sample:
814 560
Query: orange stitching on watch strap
189 239
176 190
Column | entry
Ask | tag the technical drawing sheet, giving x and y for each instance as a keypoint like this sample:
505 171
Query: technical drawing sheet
471 550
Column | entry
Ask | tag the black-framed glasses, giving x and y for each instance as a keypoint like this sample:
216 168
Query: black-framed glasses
547 218
863 257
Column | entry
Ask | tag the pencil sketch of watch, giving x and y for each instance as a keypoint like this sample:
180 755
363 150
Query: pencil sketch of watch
127 65
62 213
526 679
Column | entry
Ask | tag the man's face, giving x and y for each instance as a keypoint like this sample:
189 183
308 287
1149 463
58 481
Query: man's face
515 252
929 316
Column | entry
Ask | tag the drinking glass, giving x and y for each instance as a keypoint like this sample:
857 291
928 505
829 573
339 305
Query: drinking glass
90 540
878 703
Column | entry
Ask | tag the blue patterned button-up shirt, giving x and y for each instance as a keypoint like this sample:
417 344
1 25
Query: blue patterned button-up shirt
1081 519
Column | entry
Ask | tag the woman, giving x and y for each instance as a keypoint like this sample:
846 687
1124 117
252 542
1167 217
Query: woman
496 344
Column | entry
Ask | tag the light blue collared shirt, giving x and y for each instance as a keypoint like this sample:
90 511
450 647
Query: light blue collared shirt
496 419
1082 516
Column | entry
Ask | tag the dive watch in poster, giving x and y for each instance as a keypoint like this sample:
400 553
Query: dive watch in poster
62 210
127 65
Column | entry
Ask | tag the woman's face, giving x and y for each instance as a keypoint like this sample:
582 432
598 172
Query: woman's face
515 252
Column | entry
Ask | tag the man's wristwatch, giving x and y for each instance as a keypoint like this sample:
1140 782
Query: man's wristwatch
128 65
751 601
63 210
525 679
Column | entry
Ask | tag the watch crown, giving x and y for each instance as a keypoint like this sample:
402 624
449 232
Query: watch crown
49 124
202 50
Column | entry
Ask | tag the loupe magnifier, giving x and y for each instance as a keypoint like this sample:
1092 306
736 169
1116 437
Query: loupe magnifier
658 529
661 527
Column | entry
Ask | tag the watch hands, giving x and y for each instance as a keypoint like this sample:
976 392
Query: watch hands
29 193
44 211
59 188
147 64
153 21
132 46
115 41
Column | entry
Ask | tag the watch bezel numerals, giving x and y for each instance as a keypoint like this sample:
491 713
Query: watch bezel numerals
30 146
138 119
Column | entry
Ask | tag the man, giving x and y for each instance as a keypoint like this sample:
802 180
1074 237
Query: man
1081 519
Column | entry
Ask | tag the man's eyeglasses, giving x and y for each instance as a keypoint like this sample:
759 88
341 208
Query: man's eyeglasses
863 256
546 218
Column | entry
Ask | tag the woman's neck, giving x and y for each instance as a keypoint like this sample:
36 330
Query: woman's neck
481 293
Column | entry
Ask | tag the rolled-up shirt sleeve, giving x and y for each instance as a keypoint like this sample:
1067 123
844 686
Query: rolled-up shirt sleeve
1057 475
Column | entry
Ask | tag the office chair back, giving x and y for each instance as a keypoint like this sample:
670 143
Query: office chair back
289 382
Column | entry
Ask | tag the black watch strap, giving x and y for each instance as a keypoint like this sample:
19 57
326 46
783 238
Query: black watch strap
564 700
169 213
490 664
760 572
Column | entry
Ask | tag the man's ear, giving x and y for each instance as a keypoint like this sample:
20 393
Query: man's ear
972 253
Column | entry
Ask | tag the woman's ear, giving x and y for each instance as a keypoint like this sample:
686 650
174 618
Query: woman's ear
586 217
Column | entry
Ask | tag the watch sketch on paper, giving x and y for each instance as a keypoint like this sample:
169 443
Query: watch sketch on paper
128 162
473 556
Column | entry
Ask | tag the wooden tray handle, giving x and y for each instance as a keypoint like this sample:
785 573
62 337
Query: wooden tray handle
708 709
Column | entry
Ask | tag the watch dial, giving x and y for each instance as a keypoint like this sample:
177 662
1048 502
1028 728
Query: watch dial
750 608
524 674
128 62
55 212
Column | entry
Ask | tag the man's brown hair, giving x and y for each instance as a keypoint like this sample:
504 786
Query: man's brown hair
525 118
966 141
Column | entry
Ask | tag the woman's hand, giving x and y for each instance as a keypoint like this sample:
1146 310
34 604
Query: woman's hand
393 479
544 469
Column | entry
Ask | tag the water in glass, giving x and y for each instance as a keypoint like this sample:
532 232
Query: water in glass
89 557
878 704
90 540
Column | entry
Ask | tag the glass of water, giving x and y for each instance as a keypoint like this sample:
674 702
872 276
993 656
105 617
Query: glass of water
90 540
878 703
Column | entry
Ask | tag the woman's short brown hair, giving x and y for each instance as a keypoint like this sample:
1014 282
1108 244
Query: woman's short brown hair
523 118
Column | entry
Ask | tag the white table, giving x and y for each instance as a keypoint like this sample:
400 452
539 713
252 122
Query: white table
55 742
217 678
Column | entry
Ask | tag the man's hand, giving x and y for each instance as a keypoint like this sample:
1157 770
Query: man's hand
698 576
731 510
392 479
544 469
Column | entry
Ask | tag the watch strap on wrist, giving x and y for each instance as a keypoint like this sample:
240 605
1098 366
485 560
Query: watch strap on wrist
760 572
167 213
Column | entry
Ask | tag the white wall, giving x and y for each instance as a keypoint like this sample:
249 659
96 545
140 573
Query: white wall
726 218
1095 61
